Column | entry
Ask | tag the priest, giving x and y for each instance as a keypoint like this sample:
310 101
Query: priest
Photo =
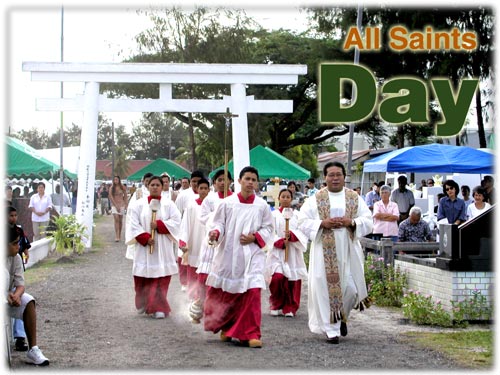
334 219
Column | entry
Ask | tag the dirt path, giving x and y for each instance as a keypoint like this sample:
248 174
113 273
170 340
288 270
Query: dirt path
87 321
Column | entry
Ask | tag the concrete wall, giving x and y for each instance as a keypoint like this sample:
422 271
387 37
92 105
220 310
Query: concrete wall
39 250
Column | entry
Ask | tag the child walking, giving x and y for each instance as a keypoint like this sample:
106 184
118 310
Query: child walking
286 276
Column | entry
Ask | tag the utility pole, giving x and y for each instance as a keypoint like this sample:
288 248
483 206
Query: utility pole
61 136
112 150
353 99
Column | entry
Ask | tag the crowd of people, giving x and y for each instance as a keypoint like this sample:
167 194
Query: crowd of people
395 215
227 247
231 246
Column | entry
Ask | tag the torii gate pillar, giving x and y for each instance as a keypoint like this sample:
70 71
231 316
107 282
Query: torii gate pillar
86 166
91 103
240 131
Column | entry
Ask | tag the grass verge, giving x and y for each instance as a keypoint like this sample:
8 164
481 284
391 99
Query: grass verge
470 348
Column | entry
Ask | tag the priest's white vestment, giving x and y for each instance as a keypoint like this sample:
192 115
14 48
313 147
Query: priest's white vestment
349 255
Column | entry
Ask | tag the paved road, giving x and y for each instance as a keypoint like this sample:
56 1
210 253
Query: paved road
87 321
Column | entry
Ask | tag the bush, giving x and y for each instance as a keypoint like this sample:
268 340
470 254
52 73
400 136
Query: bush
384 282
68 235
421 309
476 307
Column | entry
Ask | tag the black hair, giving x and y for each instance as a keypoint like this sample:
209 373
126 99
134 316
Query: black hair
12 234
156 178
333 164
249 169
452 184
311 180
10 209
221 171
147 175
203 181
283 190
197 173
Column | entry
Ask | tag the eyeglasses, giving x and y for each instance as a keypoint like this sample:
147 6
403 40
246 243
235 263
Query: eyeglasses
449 188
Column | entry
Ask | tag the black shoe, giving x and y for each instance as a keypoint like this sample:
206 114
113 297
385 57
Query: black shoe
21 345
333 340
343 329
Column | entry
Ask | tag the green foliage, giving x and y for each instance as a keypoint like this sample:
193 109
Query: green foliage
476 307
385 283
69 235
305 157
423 310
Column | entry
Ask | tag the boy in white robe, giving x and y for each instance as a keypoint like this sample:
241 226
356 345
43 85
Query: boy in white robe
242 226
208 208
192 236
183 199
334 219
285 276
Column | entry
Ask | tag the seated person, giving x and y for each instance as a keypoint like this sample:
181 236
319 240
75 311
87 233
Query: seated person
21 305
414 229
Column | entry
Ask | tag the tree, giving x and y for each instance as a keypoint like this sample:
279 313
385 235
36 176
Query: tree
189 37
156 136
36 138
121 162
105 139
200 36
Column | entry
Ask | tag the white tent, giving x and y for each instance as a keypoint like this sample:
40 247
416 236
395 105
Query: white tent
71 157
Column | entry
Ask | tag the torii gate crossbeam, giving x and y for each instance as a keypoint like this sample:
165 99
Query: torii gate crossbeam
238 76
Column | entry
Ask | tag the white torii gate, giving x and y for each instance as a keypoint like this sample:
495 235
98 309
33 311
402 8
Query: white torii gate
91 103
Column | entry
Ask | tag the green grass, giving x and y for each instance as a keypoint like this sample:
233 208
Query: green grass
42 270
471 348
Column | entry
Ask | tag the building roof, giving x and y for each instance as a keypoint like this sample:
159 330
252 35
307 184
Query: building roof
104 166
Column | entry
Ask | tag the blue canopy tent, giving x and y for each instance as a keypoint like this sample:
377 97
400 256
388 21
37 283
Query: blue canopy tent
435 158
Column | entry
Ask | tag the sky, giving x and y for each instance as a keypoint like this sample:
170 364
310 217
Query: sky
91 34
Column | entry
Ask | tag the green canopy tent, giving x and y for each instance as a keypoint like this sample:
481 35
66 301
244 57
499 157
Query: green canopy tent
158 167
23 161
270 164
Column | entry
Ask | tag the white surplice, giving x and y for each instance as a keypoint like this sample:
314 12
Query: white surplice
207 212
162 262
182 201
350 261
140 193
184 198
192 232
295 268
237 268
